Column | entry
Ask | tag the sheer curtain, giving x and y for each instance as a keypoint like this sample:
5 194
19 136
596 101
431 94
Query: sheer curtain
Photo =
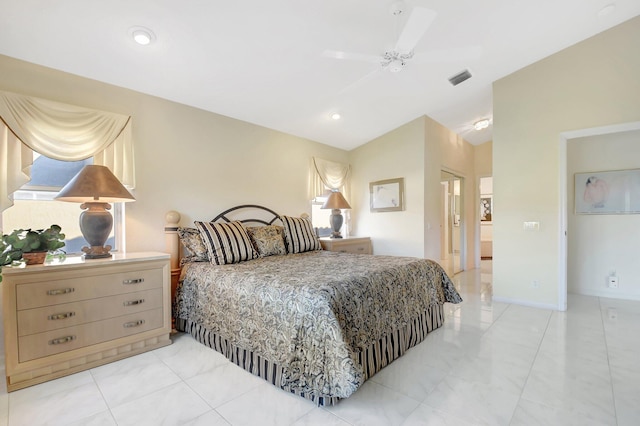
329 174
60 131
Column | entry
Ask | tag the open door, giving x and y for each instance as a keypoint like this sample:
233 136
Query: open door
452 226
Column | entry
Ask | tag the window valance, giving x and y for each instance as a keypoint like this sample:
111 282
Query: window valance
60 131
329 174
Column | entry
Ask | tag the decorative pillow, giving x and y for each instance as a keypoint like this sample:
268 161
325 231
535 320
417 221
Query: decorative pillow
267 239
299 235
192 242
226 242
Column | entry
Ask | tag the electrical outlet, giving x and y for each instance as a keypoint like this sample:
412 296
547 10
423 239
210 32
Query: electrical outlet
535 284
613 313
612 281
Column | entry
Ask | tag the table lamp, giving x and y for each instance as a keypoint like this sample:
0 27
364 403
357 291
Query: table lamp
336 202
95 187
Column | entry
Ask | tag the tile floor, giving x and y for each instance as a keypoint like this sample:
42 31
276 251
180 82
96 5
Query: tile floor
491 364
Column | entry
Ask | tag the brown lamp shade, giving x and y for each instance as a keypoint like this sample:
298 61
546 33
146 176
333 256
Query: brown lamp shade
94 184
336 201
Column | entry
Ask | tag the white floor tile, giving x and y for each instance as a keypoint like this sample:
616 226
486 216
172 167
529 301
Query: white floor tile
373 405
320 417
131 378
174 405
223 384
535 414
265 405
428 416
60 408
200 357
101 419
210 418
474 402
410 375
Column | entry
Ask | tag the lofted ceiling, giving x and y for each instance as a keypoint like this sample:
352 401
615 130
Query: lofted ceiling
276 63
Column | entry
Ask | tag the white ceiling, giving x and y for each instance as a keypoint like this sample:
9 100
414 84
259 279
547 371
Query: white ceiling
262 61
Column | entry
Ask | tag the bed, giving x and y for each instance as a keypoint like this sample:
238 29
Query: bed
312 322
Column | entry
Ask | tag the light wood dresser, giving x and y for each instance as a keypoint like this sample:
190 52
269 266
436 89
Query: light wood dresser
67 317
358 245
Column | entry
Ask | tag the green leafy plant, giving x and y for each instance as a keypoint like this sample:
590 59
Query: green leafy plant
13 245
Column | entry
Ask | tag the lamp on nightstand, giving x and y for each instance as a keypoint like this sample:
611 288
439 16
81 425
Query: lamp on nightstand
336 202
95 187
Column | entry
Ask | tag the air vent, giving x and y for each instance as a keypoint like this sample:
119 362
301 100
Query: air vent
459 78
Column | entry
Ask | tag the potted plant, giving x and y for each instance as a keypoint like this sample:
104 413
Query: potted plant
30 245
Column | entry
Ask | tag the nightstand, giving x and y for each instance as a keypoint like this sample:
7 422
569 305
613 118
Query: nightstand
358 245
66 317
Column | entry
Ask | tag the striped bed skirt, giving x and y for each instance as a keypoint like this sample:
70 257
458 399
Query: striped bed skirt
372 359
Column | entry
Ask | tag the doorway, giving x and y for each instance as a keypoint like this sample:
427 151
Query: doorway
486 216
452 235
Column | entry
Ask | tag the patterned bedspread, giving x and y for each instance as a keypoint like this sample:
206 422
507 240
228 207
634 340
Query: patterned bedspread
311 313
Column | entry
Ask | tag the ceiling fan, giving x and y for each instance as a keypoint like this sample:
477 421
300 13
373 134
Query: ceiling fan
418 22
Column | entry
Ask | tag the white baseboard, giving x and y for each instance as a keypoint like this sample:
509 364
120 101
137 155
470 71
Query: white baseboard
528 303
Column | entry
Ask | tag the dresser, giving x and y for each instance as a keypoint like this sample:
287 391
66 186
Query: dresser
358 245
66 317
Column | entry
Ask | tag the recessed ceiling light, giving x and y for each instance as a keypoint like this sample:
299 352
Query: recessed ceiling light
142 35
481 124
335 116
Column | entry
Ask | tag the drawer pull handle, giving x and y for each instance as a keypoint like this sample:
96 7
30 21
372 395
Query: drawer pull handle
62 316
59 291
133 281
61 340
133 324
133 302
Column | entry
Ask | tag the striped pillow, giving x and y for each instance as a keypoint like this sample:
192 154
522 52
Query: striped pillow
226 242
299 235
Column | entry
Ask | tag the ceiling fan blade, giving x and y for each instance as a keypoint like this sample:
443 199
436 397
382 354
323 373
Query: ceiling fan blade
337 54
462 54
417 24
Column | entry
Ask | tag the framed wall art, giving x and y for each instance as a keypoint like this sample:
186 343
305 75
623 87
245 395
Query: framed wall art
486 208
387 195
608 192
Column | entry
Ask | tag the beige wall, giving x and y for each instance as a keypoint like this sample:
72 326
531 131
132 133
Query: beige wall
601 244
591 84
417 151
189 160
483 159
396 154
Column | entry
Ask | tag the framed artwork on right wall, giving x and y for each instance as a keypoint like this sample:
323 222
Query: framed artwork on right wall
607 192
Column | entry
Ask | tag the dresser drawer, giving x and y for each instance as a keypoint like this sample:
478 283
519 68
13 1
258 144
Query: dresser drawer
52 342
358 248
37 320
64 290
357 245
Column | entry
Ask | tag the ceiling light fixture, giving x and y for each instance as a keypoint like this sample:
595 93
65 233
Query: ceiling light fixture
335 116
481 124
142 36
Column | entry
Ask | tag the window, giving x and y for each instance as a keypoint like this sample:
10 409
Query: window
34 205
320 217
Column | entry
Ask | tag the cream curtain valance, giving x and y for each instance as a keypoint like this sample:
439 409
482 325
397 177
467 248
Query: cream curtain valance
60 131
329 174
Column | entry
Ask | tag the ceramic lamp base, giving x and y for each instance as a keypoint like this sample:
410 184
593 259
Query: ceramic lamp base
336 221
96 224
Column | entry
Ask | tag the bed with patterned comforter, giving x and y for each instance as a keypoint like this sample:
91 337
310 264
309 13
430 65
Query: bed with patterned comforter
317 324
